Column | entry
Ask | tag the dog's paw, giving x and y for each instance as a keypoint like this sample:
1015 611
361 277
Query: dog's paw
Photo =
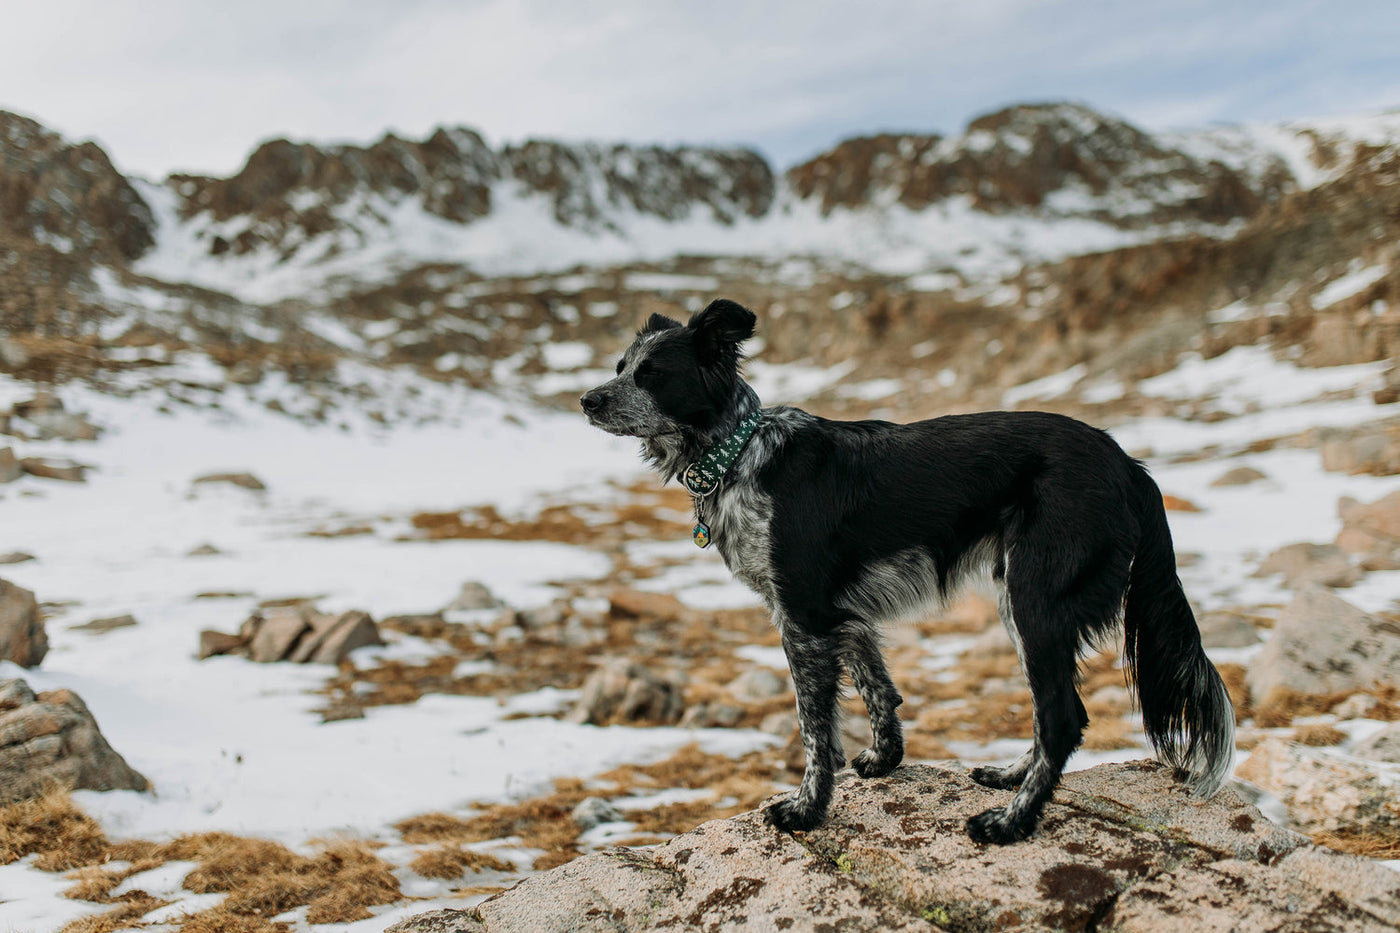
998 778
993 826
792 816
870 764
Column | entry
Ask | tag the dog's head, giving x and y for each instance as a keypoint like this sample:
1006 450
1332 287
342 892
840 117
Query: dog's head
675 379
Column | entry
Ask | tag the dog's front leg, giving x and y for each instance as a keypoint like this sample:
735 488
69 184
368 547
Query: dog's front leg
816 673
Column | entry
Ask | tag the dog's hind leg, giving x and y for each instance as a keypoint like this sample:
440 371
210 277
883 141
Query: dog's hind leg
1007 777
816 673
1049 652
860 653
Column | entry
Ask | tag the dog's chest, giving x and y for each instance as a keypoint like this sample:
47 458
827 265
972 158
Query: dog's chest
739 516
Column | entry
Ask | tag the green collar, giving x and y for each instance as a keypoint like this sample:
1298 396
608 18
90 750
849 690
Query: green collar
703 476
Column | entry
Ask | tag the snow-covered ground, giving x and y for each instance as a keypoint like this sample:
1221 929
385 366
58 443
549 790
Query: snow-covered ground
233 745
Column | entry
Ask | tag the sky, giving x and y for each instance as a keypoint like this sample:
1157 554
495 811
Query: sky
194 85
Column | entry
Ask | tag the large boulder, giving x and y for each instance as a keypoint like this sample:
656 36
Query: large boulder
52 740
22 636
1323 644
1121 847
1303 563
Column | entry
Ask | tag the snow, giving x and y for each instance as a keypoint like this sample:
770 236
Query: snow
1355 280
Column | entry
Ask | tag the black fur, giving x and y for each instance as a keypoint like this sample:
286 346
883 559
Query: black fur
840 526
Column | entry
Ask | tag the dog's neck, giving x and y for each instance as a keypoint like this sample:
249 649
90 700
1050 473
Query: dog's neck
670 454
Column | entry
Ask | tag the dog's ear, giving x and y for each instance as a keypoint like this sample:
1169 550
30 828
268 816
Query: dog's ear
658 322
721 327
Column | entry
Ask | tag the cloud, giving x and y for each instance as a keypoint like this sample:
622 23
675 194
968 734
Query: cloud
165 84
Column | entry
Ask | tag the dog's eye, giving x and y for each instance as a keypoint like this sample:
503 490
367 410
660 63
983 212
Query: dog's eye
619 366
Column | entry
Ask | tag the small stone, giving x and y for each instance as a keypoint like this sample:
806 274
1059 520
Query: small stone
15 557
213 643
1221 628
1382 746
1356 706
99 626
353 629
757 684
22 636
10 470
622 691
1303 563
68 471
593 811
241 480
275 632
473 596
203 550
628 603
1239 476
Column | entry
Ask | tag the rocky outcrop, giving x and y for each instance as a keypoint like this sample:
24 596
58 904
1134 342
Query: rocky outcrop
1020 158
1122 847
293 193
1323 644
52 740
68 195
295 633
22 636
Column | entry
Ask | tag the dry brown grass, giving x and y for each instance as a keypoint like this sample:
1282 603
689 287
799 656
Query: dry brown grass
1369 845
263 879
222 920
1282 705
540 823
1234 677
63 836
449 860
132 908
1319 734
1108 733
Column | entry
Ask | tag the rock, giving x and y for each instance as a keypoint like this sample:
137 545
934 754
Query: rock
15 557
62 469
627 603
1120 847
22 636
295 633
711 714
591 811
353 629
276 632
1371 531
241 480
1323 644
757 684
1302 564
1382 746
53 739
1239 476
213 643
45 412
1221 628
1323 791
99 626
473 596
203 550
10 470
1374 451
621 691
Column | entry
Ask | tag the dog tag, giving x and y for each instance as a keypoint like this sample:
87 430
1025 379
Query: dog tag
701 534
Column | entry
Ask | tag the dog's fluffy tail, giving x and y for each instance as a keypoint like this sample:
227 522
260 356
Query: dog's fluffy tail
1186 709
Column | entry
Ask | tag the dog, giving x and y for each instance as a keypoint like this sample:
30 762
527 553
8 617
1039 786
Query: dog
841 526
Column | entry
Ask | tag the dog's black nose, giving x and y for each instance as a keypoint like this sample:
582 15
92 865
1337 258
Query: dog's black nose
592 401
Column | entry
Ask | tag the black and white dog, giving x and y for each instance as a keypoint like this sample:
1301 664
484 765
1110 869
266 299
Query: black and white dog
841 526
